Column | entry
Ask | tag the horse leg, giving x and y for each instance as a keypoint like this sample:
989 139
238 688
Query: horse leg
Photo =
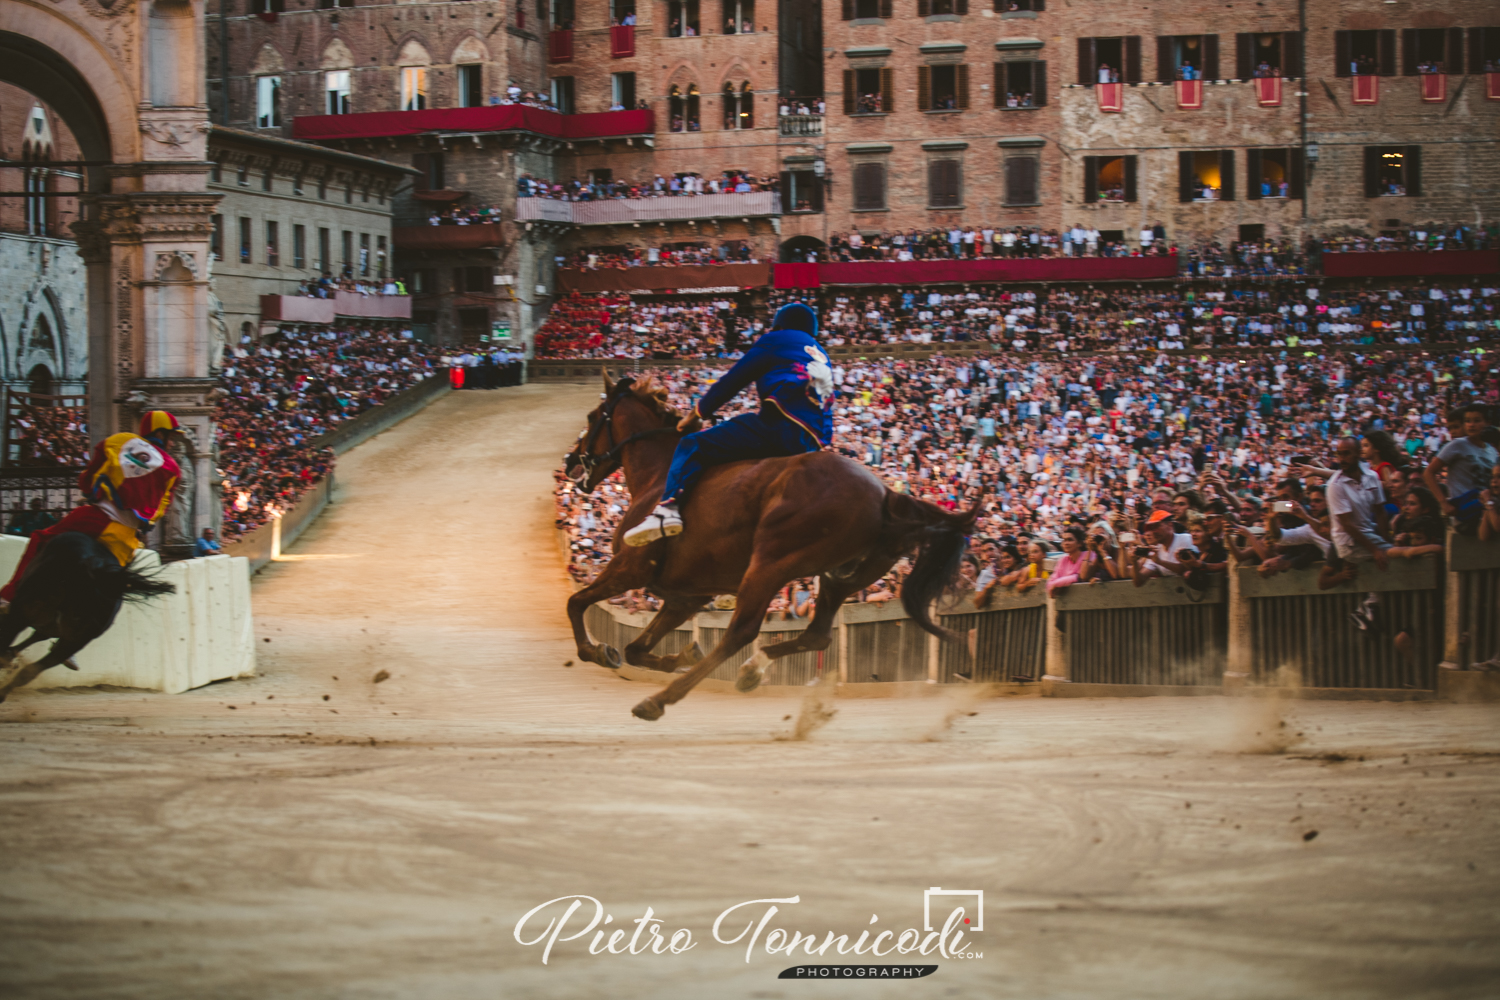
760 585
61 652
615 580
817 636
673 613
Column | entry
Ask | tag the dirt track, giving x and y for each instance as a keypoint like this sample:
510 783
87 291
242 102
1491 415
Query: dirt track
253 839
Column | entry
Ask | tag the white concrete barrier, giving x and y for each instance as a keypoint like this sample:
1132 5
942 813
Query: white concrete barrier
202 633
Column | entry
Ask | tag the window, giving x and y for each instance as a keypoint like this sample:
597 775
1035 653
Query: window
1187 57
1108 178
682 109
216 239
299 246
267 6
413 88
323 188
944 184
1364 53
348 248
325 253
423 281
682 18
1432 50
474 279
268 179
801 191
1264 55
216 172
273 244
1273 173
1484 50
941 8
621 91
1393 171
242 175
331 4
943 88
868 91
562 94
1021 84
1252 232
1207 175
622 12
1109 60
739 17
244 240
380 256
561 12
336 85
268 102
739 106
1012 6
470 86
867 10
1021 176
430 177
364 254
869 187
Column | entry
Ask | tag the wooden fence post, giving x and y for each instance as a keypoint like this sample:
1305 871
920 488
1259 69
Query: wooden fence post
843 641
1056 662
1240 655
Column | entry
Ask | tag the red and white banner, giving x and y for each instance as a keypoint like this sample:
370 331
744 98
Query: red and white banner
1268 91
1492 86
1189 95
1434 87
1111 96
1366 90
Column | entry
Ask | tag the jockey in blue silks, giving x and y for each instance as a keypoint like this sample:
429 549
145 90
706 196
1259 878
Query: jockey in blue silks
792 376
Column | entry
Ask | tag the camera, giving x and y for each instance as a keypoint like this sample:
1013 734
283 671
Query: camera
1282 506
1142 552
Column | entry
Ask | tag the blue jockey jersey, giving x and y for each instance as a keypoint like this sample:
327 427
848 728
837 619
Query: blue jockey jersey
791 373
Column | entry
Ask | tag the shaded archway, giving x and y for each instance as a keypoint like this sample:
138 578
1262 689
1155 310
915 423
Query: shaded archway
40 381
796 249
32 66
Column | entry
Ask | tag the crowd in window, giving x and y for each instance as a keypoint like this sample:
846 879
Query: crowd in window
672 255
686 184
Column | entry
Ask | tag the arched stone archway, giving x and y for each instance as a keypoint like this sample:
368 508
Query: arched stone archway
128 80
795 250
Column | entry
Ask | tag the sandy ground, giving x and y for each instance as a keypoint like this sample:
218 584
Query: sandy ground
311 833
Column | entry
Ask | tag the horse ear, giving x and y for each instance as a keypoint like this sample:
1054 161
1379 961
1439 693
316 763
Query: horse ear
609 383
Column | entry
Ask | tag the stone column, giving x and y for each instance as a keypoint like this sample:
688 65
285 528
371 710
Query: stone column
1240 654
1056 661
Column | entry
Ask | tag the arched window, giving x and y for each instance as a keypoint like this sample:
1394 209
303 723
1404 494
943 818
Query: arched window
747 106
691 111
682 108
739 106
731 106
675 108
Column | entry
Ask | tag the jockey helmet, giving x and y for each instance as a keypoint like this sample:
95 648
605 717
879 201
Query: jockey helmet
155 423
795 316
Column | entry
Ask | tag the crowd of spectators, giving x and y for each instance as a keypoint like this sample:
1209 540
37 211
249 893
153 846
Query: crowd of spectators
283 392
599 188
1052 321
326 286
49 436
682 254
1135 466
465 215
960 242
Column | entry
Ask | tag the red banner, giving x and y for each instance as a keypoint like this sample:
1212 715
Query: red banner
1189 95
493 118
664 279
1492 86
560 45
1410 263
797 276
1434 87
1111 96
621 41
1366 89
1268 91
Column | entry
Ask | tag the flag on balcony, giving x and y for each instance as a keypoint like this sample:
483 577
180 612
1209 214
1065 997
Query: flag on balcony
1434 87
1268 91
1492 86
621 41
1366 89
560 45
1190 95
1111 96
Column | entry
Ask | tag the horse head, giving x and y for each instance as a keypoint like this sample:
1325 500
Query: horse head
600 447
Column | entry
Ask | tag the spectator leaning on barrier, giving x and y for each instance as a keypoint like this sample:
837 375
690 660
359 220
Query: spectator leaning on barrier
207 545
1468 462
1357 504
1160 559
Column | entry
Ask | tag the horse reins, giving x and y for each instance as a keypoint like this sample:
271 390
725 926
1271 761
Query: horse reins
590 461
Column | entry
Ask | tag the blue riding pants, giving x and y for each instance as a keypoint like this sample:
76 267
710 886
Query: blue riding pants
749 435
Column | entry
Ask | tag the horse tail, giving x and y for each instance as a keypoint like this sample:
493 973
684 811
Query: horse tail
140 587
940 539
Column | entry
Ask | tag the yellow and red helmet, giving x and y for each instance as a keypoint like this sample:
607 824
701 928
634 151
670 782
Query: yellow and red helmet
155 422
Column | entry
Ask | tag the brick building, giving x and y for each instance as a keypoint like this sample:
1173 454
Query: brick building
1217 120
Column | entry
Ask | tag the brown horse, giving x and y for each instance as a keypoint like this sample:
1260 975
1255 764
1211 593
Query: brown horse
750 528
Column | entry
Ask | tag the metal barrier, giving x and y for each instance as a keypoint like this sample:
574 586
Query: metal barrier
56 488
1161 633
1291 624
1472 588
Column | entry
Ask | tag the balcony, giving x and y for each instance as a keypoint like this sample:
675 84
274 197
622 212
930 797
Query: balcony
801 126
622 41
624 211
493 118
560 45
446 239
301 309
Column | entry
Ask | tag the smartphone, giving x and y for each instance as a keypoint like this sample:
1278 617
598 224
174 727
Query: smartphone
1282 506
1126 537
1256 529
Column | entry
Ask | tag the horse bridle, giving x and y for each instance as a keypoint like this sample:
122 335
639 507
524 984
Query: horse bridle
587 460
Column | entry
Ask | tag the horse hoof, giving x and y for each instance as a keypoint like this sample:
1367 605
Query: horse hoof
611 656
650 710
748 680
690 656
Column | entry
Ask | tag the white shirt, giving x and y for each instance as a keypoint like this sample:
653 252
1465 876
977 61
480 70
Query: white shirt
1304 534
1360 498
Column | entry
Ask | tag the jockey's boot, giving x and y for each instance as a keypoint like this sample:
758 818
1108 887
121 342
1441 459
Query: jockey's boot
663 521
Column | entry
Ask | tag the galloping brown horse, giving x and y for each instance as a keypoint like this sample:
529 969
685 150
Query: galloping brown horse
750 528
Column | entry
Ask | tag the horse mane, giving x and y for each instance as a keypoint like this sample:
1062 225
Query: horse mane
651 392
